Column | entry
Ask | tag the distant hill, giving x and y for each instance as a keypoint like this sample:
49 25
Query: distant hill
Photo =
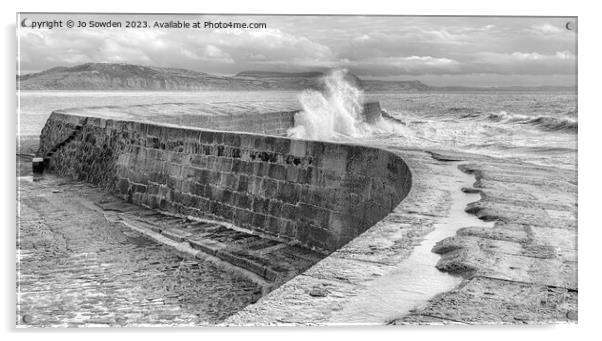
274 74
103 76
376 85
107 76
296 80
285 80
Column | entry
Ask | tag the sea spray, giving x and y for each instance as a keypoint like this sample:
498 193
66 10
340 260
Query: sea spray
334 112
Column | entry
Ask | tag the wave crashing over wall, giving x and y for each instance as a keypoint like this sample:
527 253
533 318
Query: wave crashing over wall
332 113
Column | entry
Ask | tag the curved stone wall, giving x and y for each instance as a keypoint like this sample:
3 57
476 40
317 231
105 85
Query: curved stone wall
319 194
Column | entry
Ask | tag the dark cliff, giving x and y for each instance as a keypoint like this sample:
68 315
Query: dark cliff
101 76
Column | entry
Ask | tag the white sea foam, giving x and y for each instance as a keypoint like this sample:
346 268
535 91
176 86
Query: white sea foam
543 121
332 113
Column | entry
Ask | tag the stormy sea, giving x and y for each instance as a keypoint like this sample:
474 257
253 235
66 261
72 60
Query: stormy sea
534 126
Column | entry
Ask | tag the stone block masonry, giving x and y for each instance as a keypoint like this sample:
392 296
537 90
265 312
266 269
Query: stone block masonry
273 123
318 194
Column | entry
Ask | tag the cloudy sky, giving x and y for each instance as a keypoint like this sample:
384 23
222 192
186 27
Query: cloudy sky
479 51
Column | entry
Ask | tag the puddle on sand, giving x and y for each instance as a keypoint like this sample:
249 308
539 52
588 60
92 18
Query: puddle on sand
416 279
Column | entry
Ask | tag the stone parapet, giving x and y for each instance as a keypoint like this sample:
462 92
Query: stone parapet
318 194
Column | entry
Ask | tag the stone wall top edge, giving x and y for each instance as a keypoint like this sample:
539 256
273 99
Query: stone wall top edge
76 118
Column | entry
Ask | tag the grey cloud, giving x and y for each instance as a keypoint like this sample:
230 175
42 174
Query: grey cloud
370 46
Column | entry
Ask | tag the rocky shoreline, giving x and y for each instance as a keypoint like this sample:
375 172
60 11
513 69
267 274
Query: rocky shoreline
524 269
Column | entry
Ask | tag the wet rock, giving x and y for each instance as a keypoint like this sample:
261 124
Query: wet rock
457 262
539 251
445 157
524 269
318 291
515 233
453 243
497 301
470 190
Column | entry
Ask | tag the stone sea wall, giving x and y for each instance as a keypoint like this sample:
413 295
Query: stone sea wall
275 123
318 194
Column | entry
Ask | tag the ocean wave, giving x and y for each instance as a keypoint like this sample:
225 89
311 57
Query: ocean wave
503 146
464 112
332 113
543 122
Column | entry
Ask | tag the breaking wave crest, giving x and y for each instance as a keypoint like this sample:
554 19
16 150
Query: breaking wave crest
332 113
543 122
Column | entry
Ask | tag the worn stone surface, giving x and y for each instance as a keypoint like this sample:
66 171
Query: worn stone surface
268 261
259 117
485 300
524 269
75 268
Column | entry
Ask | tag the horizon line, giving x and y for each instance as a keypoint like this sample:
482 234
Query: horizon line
320 70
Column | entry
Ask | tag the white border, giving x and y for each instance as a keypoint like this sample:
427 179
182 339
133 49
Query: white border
590 110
